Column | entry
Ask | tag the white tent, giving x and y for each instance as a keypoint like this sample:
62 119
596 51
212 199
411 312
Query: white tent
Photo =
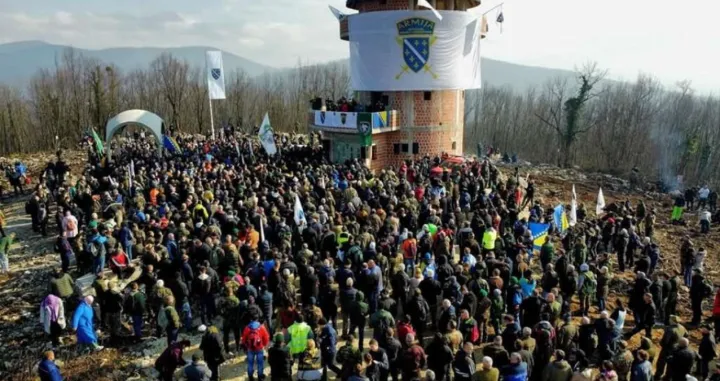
143 118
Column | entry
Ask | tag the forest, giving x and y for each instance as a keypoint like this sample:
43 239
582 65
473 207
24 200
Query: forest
593 123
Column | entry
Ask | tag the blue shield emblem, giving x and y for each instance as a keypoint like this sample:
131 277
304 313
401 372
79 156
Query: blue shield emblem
215 73
416 51
416 37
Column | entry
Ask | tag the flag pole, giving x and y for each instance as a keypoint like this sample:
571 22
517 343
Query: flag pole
212 122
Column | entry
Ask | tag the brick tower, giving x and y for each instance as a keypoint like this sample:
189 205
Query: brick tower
414 123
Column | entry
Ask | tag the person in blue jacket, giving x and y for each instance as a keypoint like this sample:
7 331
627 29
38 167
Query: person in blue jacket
83 324
516 370
47 369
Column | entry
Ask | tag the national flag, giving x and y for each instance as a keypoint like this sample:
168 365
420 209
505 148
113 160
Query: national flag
426 4
573 208
215 74
299 213
267 137
500 18
600 207
99 147
262 229
336 12
132 168
170 144
539 234
560 219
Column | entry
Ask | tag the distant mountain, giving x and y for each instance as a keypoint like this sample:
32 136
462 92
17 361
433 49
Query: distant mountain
19 61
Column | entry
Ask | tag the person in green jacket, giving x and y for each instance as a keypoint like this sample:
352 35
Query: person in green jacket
5 243
380 321
547 253
486 372
558 370
137 312
497 310
358 317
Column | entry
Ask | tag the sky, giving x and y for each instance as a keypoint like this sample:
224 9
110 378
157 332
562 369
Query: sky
672 41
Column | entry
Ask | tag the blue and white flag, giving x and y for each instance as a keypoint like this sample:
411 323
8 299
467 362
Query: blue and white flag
299 213
560 219
215 75
336 12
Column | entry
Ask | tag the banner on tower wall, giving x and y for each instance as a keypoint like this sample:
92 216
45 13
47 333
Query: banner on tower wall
413 50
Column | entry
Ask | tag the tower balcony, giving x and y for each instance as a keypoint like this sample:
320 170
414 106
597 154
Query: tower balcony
362 123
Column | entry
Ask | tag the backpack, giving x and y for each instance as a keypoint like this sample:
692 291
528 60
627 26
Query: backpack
590 284
254 341
97 249
475 334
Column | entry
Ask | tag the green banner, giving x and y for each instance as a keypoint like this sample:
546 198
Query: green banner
364 123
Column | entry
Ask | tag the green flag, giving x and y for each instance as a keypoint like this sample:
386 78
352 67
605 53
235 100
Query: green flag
98 143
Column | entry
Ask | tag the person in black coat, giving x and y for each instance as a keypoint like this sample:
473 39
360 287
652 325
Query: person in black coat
265 302
392 348
280 360
439 357
644 317
683 360
309 286
431 290
707 352
511 333
212 349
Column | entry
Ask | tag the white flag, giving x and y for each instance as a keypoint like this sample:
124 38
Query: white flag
426 4
267 138
573 208
600 203
262 229
215 75
299 213
132 168
336 12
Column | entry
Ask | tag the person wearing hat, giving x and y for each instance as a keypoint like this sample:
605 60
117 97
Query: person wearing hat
82 324
197 370
280 360
171 359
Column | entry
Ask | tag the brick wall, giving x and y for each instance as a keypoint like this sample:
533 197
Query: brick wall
391 5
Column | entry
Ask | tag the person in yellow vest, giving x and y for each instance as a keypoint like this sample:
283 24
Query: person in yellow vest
299 333
488 241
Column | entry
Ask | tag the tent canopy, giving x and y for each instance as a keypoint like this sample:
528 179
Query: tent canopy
143 118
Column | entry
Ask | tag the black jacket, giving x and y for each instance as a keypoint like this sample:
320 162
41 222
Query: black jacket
211 345
280 362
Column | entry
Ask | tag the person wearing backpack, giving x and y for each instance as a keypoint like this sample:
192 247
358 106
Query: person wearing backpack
255 339
587 286
96 248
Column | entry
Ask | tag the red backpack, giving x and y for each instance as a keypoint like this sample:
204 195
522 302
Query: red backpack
254 340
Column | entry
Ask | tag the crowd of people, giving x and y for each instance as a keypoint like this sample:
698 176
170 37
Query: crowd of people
393 274
345 105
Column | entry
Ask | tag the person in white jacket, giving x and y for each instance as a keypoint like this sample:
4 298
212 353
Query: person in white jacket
52 317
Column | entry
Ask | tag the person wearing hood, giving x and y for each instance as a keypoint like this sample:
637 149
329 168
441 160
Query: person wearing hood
439 356
558 370
171 359
52 317
587 287
47 369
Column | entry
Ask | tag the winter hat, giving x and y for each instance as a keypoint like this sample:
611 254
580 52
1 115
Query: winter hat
202 328
584 267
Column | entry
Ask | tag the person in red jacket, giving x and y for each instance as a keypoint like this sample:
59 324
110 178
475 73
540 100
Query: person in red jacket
716 313
404 328
255 339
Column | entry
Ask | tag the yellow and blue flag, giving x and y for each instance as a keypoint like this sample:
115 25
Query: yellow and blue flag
560 219
539 234
170 144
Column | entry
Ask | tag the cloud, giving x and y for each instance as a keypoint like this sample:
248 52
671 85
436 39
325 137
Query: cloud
264 33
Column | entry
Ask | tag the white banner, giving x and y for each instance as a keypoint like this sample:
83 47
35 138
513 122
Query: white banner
413 50
267 137
336 119
215 74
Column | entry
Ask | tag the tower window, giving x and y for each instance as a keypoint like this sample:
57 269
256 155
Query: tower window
396 148
363 152
454 145
416 148
405 148
374 152
427 95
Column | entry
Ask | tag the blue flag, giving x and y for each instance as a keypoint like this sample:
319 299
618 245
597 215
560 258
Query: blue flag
539 233
170 144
